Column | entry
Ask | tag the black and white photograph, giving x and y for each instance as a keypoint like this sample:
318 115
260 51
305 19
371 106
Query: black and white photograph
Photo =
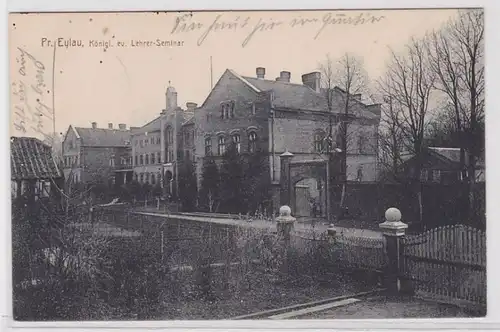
247 165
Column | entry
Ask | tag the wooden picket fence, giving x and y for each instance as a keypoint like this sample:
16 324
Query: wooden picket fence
447 264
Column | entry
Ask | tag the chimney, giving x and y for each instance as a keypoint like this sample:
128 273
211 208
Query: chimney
110 125
312 80
190 106
122 126
284 77
94 125
261 72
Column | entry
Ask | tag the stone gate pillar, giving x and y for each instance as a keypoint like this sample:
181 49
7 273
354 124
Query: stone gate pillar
394 230
285 159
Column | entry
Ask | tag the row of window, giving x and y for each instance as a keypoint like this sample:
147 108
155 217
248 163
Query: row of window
434 175
147 177
235 139
321 142
227 110
148 141
124 161
71 161
147 159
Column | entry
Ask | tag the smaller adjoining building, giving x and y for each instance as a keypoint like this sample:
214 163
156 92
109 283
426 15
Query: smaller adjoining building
442 166
97 155
35 173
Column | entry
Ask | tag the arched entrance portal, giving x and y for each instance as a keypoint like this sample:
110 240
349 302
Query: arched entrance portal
302 186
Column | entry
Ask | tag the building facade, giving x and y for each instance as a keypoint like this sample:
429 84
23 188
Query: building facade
275 116
160 146
97 155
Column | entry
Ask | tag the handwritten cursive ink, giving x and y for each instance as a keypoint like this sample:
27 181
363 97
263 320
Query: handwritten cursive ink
343 19
218 25
260 27
182 25
300 22
30 109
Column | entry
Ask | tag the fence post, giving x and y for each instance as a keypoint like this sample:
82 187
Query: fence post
285 223
394 230
332 233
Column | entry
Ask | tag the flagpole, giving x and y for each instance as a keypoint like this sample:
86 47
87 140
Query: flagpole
211 75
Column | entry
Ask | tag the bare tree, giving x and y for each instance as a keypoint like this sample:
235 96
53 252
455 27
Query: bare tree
391 142
344 81
457 58
409 84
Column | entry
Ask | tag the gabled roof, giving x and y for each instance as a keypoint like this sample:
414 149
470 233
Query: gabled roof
452 154
153 125
31 159
103 137
291 95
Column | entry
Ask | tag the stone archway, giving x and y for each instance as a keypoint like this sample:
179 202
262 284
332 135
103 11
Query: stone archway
297 182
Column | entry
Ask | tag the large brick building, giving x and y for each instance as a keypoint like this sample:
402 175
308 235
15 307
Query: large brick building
277 116
97 155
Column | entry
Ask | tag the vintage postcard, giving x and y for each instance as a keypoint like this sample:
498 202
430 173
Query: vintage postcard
248 165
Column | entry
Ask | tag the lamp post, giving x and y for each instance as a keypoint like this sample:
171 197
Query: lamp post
328 181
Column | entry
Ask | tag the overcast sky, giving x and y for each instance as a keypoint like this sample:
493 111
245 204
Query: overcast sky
127 84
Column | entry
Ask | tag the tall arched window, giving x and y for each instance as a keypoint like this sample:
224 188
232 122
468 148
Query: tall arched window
208 146
153 158
221 146
319 145
236 139
170 135
141 159
147 159
153 178
252 142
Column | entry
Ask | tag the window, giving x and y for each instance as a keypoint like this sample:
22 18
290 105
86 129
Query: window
141 159
152 139
237 142
362 143
158 140
253 108
158 157
170 136
142 143
188 155
436 175
252 142
153 178
227 110
318 141
424 175
141 177
147 159
153 158
208 146
221 147
146 142
136 160
112 161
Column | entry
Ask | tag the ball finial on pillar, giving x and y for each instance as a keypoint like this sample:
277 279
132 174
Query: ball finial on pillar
392 215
